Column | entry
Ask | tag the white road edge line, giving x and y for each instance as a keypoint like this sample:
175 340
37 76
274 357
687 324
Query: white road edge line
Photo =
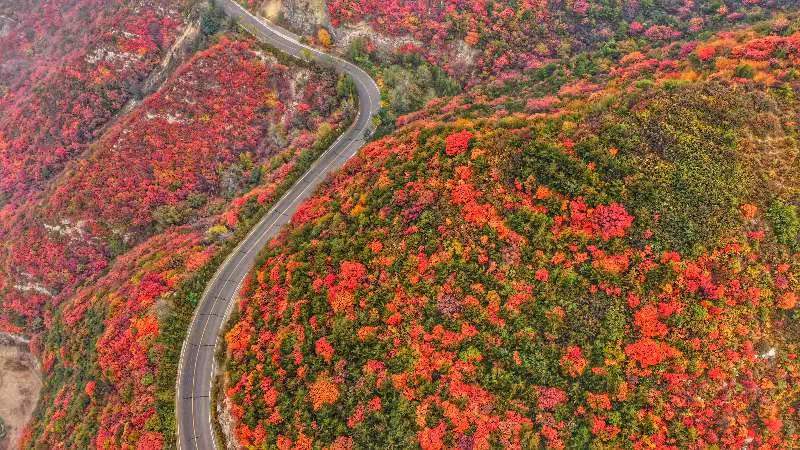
373 106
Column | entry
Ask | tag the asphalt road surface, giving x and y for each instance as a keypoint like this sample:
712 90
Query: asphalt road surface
196 368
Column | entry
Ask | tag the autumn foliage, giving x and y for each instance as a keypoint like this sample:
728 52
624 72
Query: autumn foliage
105 216
594 245
487 39
525 269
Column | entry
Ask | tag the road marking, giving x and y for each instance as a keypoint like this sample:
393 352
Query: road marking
275 29
358 75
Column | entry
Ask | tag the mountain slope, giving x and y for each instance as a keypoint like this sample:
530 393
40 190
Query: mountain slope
581 227
607 268
145 200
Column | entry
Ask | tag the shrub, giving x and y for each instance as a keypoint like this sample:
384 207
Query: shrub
744 71
785 222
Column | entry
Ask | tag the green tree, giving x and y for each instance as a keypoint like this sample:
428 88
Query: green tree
785 222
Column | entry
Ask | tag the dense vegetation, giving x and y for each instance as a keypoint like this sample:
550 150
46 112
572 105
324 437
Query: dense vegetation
102 257
68 66
494 38
580 227
603 257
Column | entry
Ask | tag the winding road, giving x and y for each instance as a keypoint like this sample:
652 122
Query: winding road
197 366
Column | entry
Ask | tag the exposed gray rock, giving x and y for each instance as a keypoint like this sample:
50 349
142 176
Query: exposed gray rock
302 16
5 25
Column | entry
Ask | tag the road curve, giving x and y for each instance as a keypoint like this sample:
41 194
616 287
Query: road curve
196 367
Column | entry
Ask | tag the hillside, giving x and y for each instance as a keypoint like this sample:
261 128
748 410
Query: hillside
150 193
577 225
479 40
612 264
